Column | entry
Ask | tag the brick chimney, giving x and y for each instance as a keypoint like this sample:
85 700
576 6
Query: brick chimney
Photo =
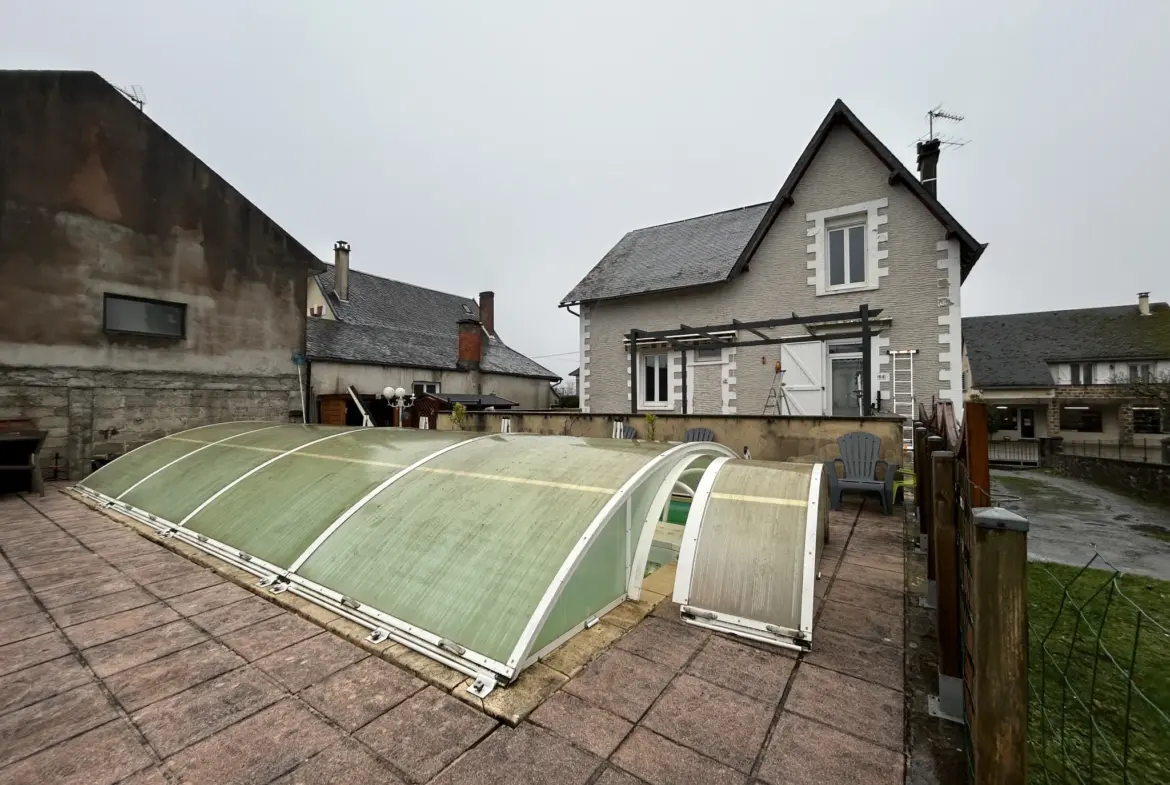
470 345
928 164
1144 303
341 270
487 311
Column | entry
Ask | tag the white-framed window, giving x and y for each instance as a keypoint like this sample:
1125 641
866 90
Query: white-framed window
708 356
425 388
847 247
1082 373
654 380
846 253
1141 372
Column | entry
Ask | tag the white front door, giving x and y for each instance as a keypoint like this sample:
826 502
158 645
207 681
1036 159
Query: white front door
804 378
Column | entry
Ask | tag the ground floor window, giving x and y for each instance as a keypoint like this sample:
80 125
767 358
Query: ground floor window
1004 418
1084 419
426 388
654 387
1147 419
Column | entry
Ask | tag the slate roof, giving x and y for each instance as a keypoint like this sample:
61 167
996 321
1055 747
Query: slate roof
1013 350
716 247
388 322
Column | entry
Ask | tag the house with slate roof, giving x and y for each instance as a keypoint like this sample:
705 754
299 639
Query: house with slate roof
1079 374
849 227
369 333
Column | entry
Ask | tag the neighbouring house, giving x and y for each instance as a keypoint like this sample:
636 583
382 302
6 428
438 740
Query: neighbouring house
369 333
854 266
1087 374
141 294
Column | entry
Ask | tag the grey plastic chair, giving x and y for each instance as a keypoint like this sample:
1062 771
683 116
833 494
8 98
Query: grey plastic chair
699 435
860 457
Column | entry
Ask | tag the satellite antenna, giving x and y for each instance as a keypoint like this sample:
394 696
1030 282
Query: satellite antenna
135 95
938 114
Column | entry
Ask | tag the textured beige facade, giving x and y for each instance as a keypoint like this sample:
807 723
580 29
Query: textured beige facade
918 290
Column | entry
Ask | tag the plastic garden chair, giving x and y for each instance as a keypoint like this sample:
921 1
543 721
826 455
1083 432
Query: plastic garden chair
860 457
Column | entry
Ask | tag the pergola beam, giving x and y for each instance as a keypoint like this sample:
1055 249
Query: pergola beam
754 326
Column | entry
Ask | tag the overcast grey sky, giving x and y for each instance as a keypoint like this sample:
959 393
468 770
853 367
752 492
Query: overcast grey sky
508 145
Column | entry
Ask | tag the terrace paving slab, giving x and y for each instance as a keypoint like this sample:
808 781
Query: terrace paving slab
621 683
30 625
119 625
582 648
747 670
890 580
99 607
28 686
310 661
184 584
721 724
806 752
235 616
660 641
102 756
118 655
868 597
152 681
255 750
32 651
848 704
612 776
35 727
183 719
840 616
660 761
526 754
17 607
865 659
344 763
426 732
87 590
587 726
209 598
265 637
361 692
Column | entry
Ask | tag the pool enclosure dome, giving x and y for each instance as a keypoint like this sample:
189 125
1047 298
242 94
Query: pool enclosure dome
481 551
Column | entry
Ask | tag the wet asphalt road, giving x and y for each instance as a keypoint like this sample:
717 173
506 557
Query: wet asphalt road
1071 518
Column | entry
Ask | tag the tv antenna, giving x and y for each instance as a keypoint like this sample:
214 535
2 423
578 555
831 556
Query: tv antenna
938 114
135 94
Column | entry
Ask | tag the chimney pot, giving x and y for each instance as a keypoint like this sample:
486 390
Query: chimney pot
470 345
928 164
487 311
1144 303
341 270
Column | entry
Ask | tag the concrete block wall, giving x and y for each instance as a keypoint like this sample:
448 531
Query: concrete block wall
89 413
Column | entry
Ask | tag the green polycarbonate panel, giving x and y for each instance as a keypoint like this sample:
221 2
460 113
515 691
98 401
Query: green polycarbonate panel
175 492
277 512
642 500
465 546
599 579
116 476
749 560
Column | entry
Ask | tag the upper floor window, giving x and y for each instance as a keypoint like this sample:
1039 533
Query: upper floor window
654 387
140 316
1082 373
1142 372
847 255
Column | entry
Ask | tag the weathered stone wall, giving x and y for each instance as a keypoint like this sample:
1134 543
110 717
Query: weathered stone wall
1151 480
802 439
94 413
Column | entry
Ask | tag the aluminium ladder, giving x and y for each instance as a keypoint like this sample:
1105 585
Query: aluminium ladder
902 391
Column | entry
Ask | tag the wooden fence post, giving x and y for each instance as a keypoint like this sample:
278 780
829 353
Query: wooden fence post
933 445
946 570
978 465
999 646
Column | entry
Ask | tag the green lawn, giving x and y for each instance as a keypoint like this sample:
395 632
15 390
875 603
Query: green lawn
1086 724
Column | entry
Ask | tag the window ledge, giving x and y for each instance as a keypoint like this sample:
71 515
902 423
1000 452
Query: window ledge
846 288
656 406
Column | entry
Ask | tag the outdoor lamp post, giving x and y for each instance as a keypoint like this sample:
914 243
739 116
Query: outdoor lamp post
398 399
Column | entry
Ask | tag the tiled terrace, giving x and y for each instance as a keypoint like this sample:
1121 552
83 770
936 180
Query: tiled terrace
121 662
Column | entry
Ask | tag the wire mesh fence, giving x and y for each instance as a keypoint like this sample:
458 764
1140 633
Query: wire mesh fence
1099 676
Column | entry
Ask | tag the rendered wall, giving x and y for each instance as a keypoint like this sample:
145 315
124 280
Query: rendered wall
332 378
802 439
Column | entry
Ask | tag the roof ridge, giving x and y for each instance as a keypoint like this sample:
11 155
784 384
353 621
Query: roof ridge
352 270
1134 306
697 217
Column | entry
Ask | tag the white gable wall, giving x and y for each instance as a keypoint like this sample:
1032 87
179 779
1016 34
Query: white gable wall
918 290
